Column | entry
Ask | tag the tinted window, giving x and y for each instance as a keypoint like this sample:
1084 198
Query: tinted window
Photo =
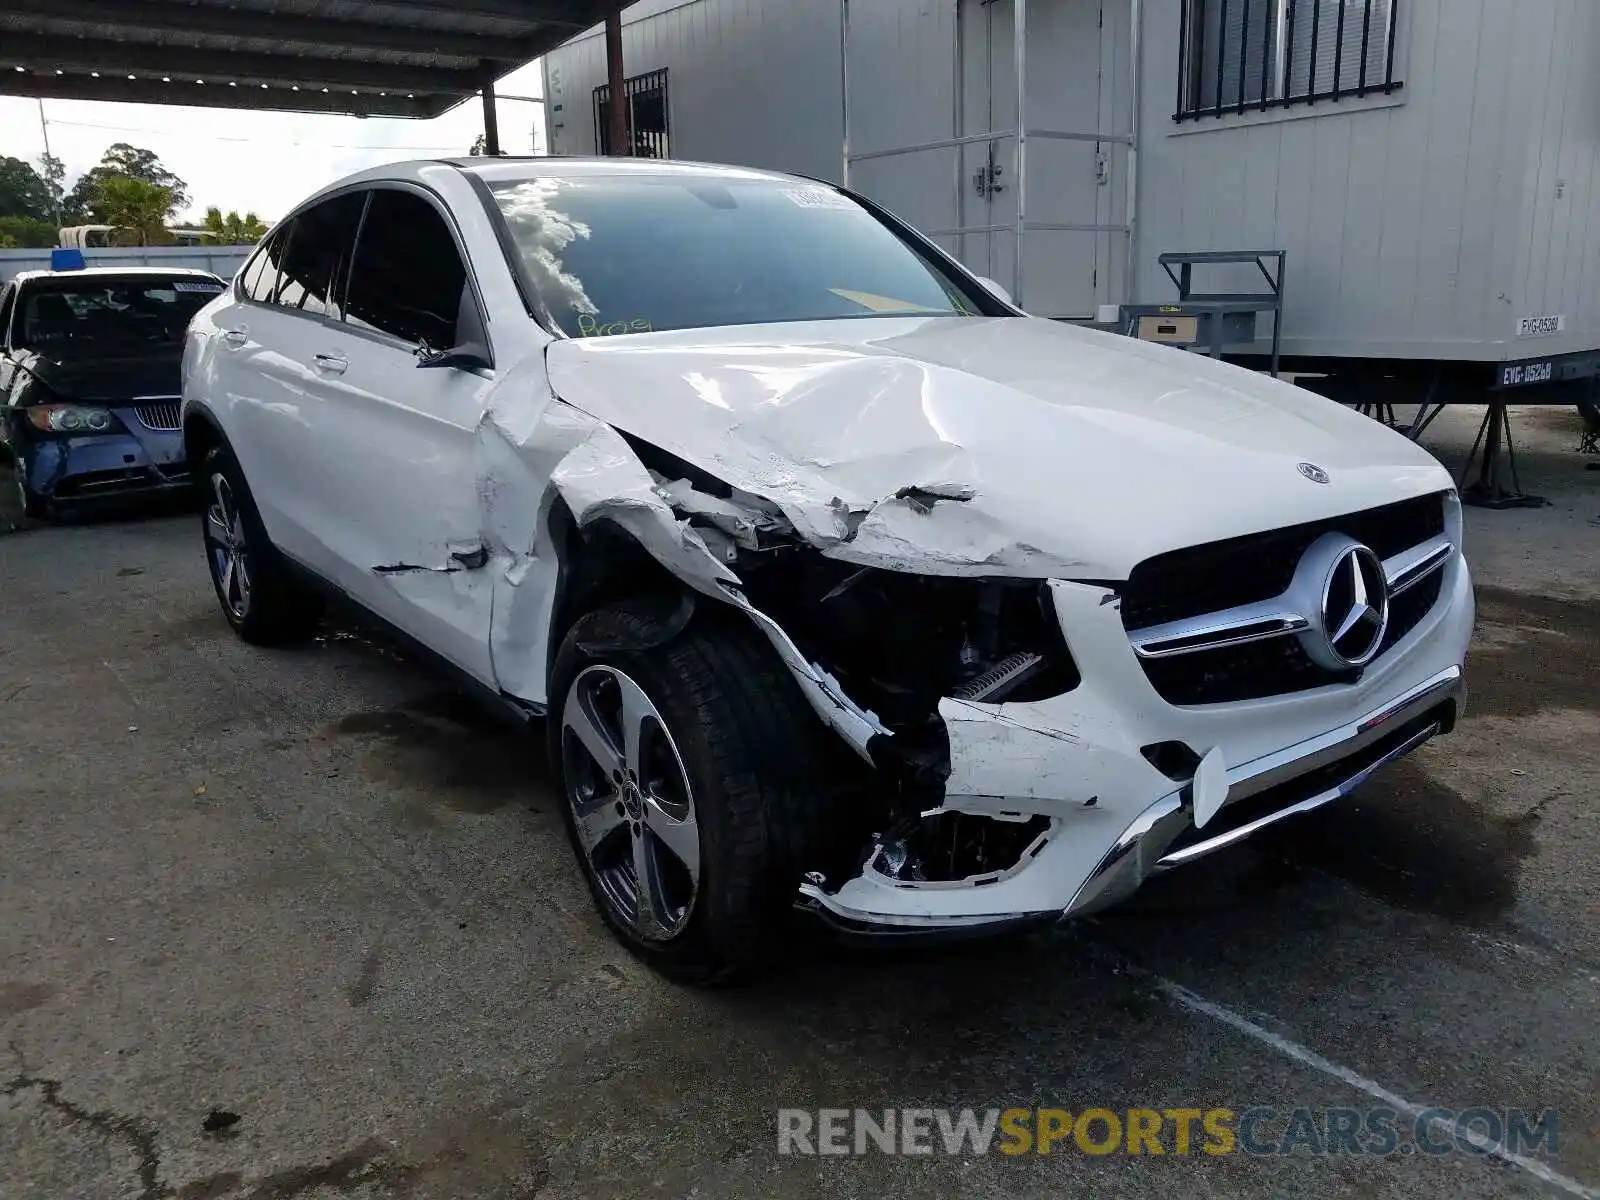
408 279
111 315
319 246
7 298
613 255
261 277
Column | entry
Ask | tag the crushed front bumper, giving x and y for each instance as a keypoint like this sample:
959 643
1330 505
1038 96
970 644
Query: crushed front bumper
1115 820
73 471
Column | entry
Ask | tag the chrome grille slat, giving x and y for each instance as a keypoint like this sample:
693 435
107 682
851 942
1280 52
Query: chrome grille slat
1274 618
1258 648
158 414
1406 570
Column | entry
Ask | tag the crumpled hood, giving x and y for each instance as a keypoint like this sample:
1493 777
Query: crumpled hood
1062 452
111 380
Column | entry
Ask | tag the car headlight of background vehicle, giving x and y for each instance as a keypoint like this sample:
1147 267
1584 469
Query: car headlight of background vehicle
71 418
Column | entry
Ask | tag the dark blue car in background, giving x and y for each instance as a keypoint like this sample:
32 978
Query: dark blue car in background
89 382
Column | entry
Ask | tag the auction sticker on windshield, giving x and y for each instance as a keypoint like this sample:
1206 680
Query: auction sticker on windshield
818 197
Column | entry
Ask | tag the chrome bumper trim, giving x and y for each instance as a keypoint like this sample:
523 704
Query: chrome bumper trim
1269 770
1200 849
1141 851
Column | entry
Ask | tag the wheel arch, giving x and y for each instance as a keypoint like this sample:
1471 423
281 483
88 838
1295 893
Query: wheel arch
202 433
599 564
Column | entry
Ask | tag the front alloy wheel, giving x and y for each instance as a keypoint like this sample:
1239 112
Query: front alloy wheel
227 549
632 806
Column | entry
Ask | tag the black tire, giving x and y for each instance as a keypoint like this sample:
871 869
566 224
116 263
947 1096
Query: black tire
1589 409
755 757
277 607
34 506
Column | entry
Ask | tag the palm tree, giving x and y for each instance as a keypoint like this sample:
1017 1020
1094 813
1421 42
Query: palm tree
230 229
137 206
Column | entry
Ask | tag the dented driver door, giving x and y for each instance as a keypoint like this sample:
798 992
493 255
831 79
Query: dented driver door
399 437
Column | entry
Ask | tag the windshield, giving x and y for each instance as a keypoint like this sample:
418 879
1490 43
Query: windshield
110 315
613 255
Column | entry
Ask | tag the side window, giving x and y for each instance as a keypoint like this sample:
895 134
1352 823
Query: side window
407 279
318 249
8 304
261 276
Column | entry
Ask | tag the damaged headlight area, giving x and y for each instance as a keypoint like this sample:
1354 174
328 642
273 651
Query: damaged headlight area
900 642
889 646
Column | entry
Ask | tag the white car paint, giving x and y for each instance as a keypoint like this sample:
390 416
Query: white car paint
1085 452
1032 449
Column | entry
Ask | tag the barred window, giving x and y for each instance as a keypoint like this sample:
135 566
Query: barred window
1257 54
647 116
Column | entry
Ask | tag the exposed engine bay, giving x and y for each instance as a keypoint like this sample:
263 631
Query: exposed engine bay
897 644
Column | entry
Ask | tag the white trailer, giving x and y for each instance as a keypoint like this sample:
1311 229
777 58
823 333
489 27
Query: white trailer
1430 167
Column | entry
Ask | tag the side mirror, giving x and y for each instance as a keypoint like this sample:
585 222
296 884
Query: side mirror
994 289
468 356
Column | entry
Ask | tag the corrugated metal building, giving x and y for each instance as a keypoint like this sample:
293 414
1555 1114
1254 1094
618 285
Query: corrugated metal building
1431 167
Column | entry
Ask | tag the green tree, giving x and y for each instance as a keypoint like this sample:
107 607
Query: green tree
23 193
123 161
230 229
27 232
135 205
54 173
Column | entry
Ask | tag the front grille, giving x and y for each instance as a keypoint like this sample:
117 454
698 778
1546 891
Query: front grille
1258 566
1221 575
158 416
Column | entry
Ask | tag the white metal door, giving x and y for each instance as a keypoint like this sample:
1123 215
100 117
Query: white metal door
1065 184
1069 170
989 105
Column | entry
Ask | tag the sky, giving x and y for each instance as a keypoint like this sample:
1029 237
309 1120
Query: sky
263 162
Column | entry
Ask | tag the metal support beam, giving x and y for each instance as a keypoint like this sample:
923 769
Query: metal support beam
146 91
576 15
617 111
112 18
47 54
491 119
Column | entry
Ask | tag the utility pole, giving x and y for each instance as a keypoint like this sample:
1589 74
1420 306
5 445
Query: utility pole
44 128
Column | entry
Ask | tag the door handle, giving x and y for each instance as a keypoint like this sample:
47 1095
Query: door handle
332 363
236 337
472 559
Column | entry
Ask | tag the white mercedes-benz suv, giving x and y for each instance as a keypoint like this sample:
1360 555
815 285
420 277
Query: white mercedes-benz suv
840 583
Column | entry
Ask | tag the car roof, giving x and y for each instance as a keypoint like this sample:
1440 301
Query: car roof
507 167
117 272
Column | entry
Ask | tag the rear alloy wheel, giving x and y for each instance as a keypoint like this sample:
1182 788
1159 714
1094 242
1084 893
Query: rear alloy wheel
632 805
228 550
263 602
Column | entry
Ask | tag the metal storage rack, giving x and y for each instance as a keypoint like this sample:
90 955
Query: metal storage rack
1213 320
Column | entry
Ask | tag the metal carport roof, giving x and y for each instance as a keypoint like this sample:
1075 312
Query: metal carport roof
392 58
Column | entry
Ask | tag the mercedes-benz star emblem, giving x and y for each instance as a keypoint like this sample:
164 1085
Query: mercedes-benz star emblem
1313 472
1355 607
